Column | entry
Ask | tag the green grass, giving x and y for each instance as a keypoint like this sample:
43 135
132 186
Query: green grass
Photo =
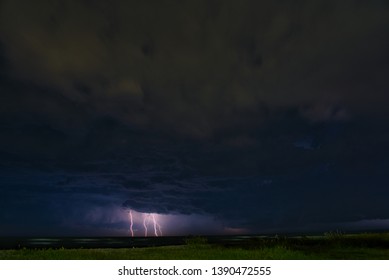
156 253
330 246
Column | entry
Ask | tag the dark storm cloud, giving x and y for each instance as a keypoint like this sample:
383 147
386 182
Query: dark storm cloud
197 67
272 186
51 201
261 114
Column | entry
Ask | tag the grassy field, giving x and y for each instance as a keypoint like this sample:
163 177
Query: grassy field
330 246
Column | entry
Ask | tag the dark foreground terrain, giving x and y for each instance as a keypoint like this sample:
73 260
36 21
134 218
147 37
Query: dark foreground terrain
328 246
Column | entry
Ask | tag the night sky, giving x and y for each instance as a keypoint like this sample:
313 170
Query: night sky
207 116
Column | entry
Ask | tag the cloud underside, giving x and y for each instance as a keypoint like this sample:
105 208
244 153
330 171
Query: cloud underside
197 67
317 197
260 114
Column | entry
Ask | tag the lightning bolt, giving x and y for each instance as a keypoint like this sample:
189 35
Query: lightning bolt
145 222
157 227
131 224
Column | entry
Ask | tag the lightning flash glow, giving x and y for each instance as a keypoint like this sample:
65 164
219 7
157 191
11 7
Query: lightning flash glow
146 220
131 224
157 227
145 223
